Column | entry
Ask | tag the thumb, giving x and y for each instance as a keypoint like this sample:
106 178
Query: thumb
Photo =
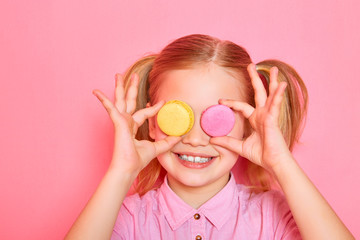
230 143
164 145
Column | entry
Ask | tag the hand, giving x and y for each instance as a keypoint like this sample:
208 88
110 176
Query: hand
266 145
131 155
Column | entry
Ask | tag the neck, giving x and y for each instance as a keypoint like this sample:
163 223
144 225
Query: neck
197 196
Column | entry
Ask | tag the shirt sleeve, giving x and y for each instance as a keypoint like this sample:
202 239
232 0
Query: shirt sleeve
283 223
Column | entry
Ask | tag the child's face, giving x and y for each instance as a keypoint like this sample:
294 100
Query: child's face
199 87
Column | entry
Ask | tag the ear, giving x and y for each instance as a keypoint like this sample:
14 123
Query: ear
151 121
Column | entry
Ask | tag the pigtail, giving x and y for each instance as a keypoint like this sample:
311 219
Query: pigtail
147 178
294 106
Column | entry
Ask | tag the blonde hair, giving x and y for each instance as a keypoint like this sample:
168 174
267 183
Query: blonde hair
197 49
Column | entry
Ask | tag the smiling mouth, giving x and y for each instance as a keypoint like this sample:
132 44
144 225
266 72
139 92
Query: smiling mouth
194 159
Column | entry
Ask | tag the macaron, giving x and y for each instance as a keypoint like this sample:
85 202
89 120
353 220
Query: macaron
217 120
175 118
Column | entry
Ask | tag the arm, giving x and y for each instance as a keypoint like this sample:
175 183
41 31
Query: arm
266 147
130 156
313 215
98 218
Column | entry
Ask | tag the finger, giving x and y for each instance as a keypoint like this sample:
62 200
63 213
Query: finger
119 93
145 113
108 105
245 108
230 143
164 145
277 99
132 94
260 92
273 81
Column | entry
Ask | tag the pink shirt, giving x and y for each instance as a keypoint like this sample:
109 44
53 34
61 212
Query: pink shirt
230 214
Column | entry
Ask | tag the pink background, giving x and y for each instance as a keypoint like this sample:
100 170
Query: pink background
56 138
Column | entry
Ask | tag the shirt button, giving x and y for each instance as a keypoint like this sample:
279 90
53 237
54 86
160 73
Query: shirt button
197 216
198 237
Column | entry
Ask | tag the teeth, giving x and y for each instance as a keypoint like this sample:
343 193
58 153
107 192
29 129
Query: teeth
194 159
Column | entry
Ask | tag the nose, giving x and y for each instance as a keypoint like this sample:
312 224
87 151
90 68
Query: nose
196 136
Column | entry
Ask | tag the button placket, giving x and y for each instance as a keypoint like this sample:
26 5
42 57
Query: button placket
198 227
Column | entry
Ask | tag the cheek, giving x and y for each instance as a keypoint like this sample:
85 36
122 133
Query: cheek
159 135
239 127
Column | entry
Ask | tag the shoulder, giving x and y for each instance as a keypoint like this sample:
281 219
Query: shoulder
134 211
267 198
135 203
270 206
272 211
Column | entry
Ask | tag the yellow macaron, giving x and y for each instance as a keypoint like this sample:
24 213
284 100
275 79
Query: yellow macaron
175 118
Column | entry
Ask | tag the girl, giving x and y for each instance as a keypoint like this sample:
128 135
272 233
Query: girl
180 199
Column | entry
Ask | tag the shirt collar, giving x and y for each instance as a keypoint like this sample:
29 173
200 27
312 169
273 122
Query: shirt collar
217 210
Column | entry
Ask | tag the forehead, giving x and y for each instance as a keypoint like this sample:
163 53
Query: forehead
201 86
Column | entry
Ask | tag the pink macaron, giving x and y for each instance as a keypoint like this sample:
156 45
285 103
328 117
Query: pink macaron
217 120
